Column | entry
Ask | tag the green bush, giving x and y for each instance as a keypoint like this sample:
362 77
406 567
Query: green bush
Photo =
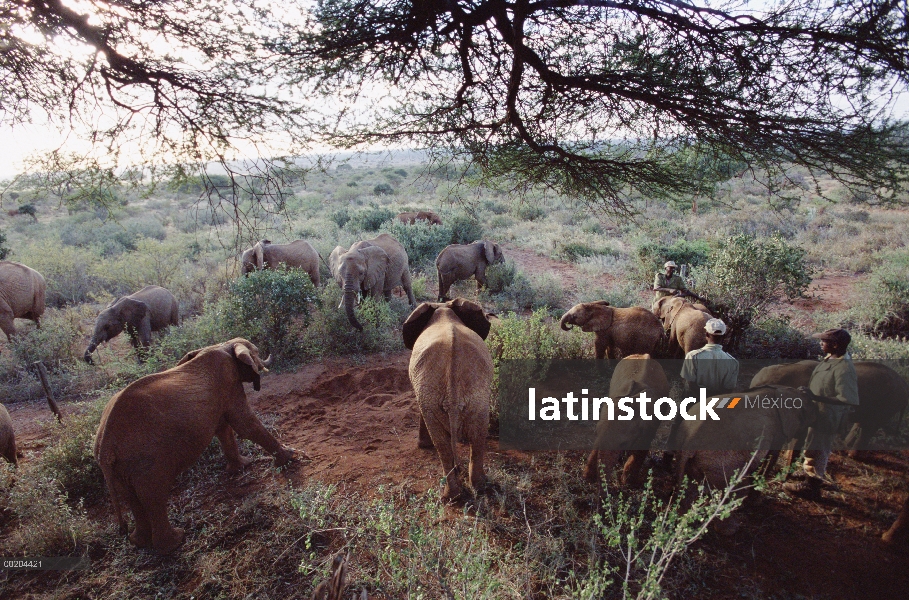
4 251
383 189
341 216
572 251
500 276
543 291
55 343
422 241
28 209
884 309
370 218
776 338
69 456
527 212
464 230
652 255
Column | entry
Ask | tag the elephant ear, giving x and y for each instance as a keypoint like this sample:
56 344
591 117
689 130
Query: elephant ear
601 315
376 266
489 250
189 356
416 323
673 312
243 354
134 311
472 315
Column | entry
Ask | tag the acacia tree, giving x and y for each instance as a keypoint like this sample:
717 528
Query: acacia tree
596 98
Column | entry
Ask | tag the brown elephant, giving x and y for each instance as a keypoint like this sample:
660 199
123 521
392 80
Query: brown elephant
152 308
409 218
619 332
634 374
883 393
158 426
451 373
684 322
22 291
461 261
898 534
374 267
712 450
7 437
298 254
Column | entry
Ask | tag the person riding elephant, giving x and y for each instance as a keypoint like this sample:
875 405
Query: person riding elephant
633 375
158 426
461 261
374 267
684 324
427 216
298 254
669 283
834 378
884 394
151 309
451 372
619 331
22 291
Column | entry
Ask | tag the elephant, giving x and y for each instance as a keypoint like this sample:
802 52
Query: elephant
684 322
619 331
899 532
7 437
634 374
22 291
459 261
159 425
298 254
451 372
883 393
152 308
409 218
374 267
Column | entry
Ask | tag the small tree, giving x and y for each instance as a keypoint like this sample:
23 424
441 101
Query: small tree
746 274
4 251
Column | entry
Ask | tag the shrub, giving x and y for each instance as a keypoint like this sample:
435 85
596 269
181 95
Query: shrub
572 251
526 212
464 229
500 276
422 241
70 273
776 338
69 457
341 216
746 274
884 309
4 251
543 291
400 172
371 218
55 343
652 255
383 189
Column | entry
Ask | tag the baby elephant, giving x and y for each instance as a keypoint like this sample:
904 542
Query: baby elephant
451 373
150 309
459 261
7 437
158 426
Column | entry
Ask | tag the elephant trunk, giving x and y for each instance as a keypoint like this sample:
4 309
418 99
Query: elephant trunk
565 322
91 348
350 297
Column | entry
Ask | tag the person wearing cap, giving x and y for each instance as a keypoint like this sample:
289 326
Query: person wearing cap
670 283
835 383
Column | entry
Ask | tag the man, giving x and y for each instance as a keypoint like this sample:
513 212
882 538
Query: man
670 283
833 380
710 368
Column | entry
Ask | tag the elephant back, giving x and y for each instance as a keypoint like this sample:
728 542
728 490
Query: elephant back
23 288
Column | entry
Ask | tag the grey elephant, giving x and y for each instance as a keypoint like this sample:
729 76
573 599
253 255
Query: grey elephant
22 291
459 261
451 372
7 437
619 331
297 254
152 308
373 267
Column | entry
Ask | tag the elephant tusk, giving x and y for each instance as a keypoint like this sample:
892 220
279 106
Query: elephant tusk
341 305
267 362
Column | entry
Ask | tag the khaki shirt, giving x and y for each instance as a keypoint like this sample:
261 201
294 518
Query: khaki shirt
836 378
675 282
711 368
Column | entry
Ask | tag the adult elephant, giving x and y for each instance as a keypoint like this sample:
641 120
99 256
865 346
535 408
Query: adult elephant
459 261
683 322
619 332
152 308
298 254
427 216
451 372
22 291
159 425
633 375
7 437
374 267
883 394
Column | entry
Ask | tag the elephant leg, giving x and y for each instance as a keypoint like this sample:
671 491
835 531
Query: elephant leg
408 287
444 284
141 537
608 460
154 493
7 323
591 469
632 471
477 428
425 441
599 344
228 440
438 425
248 426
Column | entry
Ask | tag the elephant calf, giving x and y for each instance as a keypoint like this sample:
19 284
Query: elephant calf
7 437
158 426
150 309
451 373
684 322
22 291
298 254
459 261
634 374
619 331
427 216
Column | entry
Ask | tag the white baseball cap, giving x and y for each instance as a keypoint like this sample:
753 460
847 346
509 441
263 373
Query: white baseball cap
715 327
670 263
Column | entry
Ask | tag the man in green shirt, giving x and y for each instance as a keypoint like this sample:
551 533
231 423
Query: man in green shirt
669 283
710 367
835 380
